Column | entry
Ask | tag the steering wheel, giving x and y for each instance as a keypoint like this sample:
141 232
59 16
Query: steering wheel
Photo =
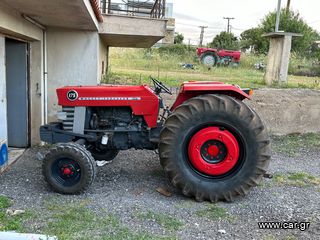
159 86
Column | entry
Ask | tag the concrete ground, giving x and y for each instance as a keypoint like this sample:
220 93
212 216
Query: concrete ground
123 202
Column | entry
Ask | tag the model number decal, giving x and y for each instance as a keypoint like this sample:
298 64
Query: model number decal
109 98
72 95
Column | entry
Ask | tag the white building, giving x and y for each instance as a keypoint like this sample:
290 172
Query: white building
48 44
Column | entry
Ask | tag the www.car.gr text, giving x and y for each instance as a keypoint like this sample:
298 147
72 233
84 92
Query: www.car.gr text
302 226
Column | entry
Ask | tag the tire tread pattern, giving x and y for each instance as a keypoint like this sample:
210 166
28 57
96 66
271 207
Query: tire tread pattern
82 155
190 110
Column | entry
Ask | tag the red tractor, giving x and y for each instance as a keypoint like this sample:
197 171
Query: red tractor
212 146
211 56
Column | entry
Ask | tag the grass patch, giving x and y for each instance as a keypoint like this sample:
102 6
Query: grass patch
74 222
4 203
292 144
164 220
12 223
176 78
134 66
214 212
78 222
187 204
268 237
298 179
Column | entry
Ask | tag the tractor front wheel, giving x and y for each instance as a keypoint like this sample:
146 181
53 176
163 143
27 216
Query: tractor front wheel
69 168
214 147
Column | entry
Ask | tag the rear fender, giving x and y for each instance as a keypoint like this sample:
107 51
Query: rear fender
193 89
201 51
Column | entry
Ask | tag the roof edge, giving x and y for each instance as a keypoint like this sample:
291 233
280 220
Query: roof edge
96 10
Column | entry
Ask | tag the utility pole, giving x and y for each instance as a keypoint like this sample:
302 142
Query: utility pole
228 18
288 5
202 34
278 16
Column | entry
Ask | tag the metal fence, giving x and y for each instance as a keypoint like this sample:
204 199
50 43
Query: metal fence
139 8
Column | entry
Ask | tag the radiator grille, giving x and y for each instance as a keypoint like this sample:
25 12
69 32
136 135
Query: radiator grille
68 123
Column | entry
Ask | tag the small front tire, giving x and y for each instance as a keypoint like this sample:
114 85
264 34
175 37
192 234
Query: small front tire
69 168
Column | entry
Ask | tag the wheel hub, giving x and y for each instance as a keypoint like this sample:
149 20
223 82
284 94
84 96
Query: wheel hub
213 151
209 60
67 170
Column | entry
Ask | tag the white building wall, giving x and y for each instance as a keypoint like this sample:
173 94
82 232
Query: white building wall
12 23
72 60
3 94
103 59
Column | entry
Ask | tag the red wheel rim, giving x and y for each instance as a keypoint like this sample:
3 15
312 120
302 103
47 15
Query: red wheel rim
213 151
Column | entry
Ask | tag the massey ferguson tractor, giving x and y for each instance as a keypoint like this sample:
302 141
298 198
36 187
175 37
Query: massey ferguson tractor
212 146
211 56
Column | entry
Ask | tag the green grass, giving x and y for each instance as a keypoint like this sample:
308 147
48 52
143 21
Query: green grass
271 237
175 78
268 237
298 179
76 221
167 222
292 144
4 203
12 223
186 204
214 212
134 66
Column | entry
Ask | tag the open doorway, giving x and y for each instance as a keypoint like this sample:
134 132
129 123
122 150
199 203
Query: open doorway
17 85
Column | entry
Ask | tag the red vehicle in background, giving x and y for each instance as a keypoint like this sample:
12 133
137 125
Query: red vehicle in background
213 56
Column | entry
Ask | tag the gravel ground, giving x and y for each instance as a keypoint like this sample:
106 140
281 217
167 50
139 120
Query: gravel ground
127 186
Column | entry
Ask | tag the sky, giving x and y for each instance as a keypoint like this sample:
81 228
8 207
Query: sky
190 14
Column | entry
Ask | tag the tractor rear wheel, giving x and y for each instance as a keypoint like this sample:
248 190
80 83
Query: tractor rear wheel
214 147
209 59
69 168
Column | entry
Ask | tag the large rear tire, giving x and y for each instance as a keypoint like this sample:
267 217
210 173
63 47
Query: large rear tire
69 168
214 147
209 59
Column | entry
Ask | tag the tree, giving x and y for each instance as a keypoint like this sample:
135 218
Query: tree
315 51
225 41
290 21
252 38
178 38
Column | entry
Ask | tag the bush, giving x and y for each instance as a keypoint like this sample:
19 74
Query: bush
177 50
249 60
303 66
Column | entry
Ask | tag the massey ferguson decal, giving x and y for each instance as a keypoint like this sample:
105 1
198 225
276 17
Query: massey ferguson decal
72 95
109 98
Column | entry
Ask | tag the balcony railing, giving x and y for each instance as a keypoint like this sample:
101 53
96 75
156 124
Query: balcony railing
139 8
